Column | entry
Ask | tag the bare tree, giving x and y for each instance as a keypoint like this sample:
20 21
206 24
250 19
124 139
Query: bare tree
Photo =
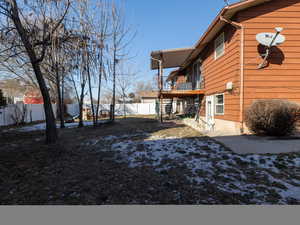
81 59
97 28
102 36
124 85
79 80
19 114
25 27
122 36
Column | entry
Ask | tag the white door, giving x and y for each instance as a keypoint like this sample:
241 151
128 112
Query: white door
210 119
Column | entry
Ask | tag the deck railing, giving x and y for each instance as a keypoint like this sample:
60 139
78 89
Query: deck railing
190 86
186 86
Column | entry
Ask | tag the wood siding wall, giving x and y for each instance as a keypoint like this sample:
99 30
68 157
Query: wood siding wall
222 70
281 79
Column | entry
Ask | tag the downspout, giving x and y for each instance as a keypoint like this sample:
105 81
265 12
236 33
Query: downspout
242 44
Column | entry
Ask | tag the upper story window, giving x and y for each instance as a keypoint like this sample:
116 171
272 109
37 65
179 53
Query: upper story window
219 45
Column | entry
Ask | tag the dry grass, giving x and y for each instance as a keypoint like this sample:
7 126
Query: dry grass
76 171
68 173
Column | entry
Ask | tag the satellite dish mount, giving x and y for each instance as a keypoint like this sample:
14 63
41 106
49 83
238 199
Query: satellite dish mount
269 40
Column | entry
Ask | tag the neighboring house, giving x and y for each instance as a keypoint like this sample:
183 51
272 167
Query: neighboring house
148 96
17 91
13 90
220 73
33 97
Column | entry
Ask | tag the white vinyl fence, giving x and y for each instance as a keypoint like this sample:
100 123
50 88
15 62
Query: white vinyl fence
136 109
132 109
129 109
36 112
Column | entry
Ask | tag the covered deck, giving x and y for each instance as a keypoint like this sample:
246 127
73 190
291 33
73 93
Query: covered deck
174 58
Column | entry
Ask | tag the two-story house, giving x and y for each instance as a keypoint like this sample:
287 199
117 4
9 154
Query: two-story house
223 71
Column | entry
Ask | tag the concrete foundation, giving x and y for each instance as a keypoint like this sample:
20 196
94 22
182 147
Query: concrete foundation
221 127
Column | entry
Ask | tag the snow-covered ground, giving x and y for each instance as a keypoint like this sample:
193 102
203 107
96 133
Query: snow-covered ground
42 126
261 179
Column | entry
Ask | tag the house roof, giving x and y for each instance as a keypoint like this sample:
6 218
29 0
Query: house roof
227 12
148 94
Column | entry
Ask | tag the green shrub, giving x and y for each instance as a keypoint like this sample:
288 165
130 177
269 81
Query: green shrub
272 117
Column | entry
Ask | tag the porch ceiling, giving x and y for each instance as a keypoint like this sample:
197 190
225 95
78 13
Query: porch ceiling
171 58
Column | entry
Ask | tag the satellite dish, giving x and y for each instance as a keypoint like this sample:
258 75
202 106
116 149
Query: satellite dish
270 39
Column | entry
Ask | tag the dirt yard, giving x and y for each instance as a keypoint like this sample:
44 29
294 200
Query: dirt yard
139 161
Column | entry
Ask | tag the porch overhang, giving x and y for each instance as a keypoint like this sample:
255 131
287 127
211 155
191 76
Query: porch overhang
170 58
181 93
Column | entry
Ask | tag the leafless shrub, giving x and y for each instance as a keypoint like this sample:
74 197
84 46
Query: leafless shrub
19 114
272 117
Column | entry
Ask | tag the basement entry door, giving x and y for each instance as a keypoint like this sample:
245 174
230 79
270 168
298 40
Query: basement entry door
210 119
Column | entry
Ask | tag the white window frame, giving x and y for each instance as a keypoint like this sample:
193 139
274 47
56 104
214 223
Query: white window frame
221 39
216 104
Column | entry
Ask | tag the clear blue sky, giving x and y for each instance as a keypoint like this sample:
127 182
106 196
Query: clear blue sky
164 24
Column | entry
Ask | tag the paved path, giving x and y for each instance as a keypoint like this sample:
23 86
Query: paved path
245 144
250 144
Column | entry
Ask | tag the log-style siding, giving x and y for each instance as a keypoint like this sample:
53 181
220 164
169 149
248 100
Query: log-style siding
281 79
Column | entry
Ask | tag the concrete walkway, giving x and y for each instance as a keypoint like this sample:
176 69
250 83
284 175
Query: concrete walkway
245 144
251 144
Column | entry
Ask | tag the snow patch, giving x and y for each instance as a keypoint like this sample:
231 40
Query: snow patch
206 161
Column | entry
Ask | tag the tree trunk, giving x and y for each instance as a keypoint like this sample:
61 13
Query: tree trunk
99 87
59 104
51 132
114 86
124 105
81 107
91 95
63 101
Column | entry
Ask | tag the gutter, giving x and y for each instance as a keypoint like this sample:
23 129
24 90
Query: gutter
242 44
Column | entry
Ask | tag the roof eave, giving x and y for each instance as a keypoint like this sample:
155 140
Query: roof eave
227 12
